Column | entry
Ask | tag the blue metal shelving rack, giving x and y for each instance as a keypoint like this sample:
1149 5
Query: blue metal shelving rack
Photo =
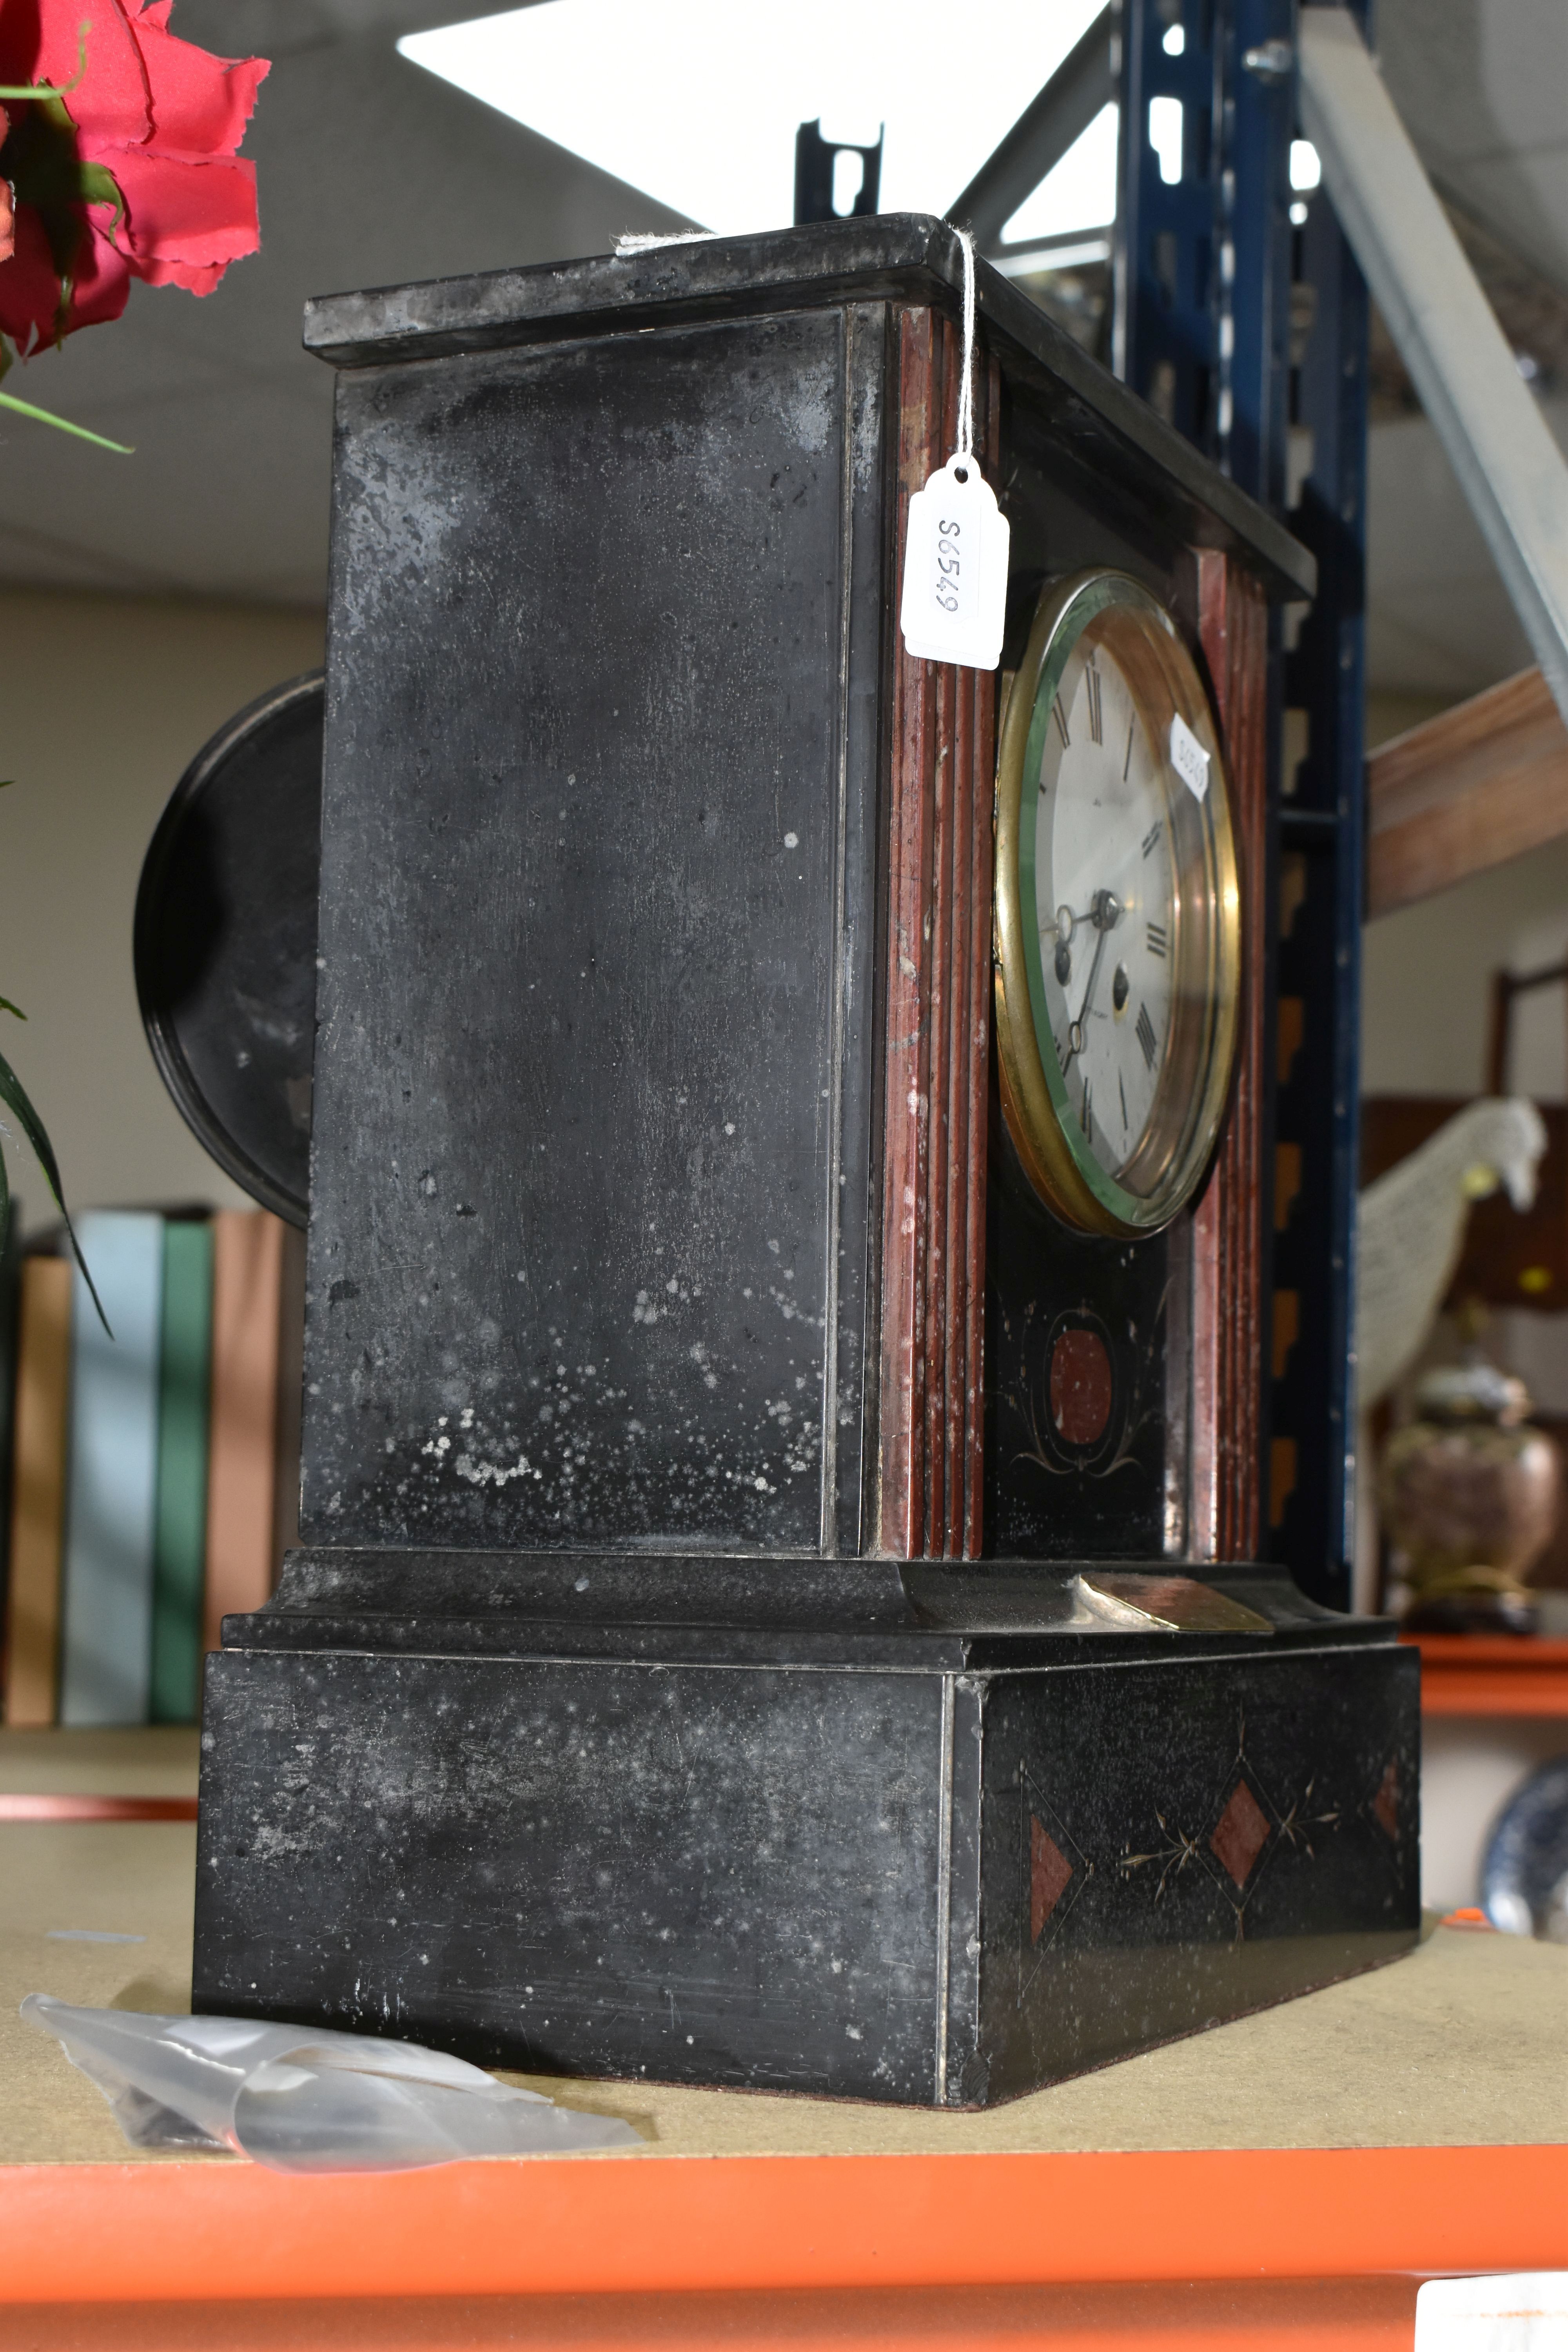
1248 330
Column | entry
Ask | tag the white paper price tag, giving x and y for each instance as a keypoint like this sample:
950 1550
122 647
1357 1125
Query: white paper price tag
1188 758
955 569
1523 2311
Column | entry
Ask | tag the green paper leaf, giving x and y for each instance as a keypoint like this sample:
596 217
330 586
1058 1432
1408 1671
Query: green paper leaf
7 1006
63 424
14 1095
95 185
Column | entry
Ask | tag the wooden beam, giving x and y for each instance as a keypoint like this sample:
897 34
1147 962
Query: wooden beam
1473 787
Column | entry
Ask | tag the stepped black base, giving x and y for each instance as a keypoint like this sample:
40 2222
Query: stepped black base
932 1839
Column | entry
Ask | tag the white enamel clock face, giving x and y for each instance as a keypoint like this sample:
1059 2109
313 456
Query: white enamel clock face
1118 911
1106 908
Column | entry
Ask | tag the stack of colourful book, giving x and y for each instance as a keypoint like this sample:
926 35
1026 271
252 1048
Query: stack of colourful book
153 1473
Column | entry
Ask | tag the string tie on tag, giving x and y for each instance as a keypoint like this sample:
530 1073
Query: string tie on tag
965 448
955 601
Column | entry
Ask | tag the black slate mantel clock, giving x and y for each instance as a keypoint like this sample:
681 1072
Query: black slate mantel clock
786 1268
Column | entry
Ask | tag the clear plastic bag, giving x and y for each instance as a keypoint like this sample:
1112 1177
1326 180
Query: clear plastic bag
300 2100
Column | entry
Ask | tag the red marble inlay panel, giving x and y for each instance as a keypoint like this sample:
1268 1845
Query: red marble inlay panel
1049 1871
1240 1833
1385 1804
1233 626
1081 1387
931 1400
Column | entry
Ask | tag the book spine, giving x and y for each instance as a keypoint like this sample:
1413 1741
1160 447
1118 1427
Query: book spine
10 1304
38 1492
248 1269
112 1487
179 1560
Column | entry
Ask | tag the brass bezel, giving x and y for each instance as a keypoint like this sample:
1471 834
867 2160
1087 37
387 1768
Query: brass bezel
1034 1090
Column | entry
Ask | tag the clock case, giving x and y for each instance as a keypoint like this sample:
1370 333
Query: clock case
709 1442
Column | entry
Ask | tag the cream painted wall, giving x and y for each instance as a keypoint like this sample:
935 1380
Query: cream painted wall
103 701
1388 715
1426 970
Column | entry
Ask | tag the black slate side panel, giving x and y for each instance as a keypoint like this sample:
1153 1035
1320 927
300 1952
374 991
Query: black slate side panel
698 1875
850 1417
1169 1845
575 1196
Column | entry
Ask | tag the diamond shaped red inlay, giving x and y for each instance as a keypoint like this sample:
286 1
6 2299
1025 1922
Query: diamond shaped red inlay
1240 1833
1385 1804
1049 1871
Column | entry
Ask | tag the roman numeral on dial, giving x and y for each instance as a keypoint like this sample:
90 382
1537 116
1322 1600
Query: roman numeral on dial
1059 715
1091 679
1152 838
1155 934
1144 1031
1087 1118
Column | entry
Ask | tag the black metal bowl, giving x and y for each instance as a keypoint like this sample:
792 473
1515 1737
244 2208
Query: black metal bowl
225 942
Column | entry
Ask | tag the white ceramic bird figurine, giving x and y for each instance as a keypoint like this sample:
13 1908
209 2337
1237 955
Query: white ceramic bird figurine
1410 1228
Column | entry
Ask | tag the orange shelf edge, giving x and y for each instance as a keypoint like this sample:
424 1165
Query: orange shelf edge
1475 1673
182 2232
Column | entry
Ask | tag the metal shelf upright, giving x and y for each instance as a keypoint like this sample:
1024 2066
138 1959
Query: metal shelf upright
1247 328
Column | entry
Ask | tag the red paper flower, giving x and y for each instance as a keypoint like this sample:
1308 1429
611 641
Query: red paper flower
8 211
130 171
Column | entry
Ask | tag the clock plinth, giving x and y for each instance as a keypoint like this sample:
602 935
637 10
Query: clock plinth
760 1616
877 1831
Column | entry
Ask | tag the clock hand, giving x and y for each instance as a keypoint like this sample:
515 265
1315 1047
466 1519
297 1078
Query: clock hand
1105 914
1075 1028
1105 909
1065 929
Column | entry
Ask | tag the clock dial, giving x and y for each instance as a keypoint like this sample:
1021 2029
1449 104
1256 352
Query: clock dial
1117 911
1106 906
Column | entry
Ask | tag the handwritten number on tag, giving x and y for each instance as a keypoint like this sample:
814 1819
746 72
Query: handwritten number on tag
949 565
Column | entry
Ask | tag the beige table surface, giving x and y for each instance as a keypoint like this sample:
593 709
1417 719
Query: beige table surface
160 1761
1464 2043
